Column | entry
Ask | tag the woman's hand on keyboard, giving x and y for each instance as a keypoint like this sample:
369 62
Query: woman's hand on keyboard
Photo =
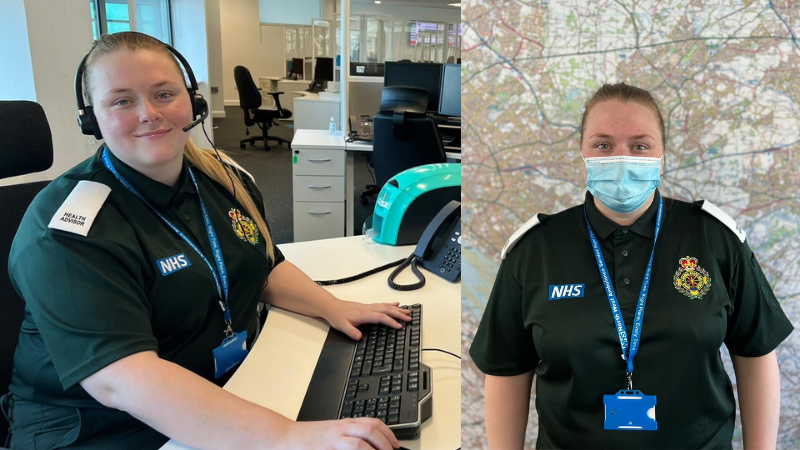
347 434
346 316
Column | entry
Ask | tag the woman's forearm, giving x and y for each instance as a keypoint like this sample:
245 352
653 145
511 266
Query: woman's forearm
184 406
506 403
291 289
758 382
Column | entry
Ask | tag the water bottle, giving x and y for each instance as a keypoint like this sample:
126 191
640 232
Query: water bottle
332 126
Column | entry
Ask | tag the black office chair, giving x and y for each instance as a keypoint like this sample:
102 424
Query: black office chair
26 146
250 101
403 136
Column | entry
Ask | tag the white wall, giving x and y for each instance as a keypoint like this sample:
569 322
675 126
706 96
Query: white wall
215 58
189 36
243 44
16 71
59 34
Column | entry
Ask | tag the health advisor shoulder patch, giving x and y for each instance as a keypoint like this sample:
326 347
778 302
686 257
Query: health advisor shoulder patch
512 241
723 217
80 208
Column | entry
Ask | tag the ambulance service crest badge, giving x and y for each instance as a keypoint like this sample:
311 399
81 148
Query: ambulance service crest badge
690 279
244 226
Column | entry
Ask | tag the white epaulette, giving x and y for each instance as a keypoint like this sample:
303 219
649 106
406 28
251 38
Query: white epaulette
512 241
80 208
723 217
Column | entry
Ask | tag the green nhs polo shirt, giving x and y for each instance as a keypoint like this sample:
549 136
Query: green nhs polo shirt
706 290
131 285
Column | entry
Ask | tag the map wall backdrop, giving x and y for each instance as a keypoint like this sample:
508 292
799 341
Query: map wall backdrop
726 75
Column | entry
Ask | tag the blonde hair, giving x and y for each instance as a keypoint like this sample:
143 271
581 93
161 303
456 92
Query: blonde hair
205 160
624 93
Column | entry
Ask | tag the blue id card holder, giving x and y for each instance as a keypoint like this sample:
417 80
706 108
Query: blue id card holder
630 410
230 353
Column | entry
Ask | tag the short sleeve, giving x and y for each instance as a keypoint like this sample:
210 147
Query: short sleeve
86 300
502 345
756 323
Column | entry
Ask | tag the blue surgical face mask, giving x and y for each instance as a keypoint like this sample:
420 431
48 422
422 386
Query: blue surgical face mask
622 183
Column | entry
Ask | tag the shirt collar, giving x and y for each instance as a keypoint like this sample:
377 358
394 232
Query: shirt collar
153 191
604 227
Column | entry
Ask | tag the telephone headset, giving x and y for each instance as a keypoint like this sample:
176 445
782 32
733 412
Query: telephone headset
88 122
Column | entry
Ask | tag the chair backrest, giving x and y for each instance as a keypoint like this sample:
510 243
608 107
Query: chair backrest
403 136
249 96
26 146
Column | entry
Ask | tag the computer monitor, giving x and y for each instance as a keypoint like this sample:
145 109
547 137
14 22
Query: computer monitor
297 67
450 103
366 69
427 76
324 69
406 98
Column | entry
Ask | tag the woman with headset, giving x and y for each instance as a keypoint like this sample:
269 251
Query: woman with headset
620 305
142 268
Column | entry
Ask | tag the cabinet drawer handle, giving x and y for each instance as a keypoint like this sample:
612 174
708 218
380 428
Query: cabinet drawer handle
319 212
327 186
320 160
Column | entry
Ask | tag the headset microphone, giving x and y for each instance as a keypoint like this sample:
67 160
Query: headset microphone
196 122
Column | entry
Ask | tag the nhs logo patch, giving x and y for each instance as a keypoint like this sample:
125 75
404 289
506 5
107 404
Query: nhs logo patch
559 291
173 264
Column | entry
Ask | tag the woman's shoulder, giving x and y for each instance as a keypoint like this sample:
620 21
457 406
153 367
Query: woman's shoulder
72 203
542 226
704 216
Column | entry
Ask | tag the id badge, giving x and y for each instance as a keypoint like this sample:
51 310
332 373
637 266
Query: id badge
630 410
230 353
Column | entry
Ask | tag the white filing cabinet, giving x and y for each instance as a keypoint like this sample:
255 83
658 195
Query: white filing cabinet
318 183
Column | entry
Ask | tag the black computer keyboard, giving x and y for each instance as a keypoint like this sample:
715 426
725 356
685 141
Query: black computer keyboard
383 378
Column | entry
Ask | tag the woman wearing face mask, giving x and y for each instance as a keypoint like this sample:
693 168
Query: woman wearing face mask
141 272
619 306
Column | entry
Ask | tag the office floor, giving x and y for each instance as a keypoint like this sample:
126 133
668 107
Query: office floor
273 171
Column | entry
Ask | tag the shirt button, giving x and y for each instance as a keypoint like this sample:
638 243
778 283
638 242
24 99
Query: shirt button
624 231
626 281
624 253
187 218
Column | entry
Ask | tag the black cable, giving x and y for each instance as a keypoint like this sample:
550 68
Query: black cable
203 126
371 173
359 276
440 350
412 260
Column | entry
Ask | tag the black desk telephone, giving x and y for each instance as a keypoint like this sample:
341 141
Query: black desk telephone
439 249
362 126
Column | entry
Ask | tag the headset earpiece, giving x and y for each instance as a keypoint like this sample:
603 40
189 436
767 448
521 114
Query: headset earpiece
88 123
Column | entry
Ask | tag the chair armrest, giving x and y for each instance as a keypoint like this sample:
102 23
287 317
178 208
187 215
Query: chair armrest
275 93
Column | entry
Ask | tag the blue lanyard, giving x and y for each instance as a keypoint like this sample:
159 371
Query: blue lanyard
222 288
612 297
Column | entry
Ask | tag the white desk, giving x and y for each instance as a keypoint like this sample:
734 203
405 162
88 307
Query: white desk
363 146
314 111
278 84
297 340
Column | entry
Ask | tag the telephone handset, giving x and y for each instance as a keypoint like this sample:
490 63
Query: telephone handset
439 249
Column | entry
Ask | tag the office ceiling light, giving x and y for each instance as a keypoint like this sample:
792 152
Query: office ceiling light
377 2
455 4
